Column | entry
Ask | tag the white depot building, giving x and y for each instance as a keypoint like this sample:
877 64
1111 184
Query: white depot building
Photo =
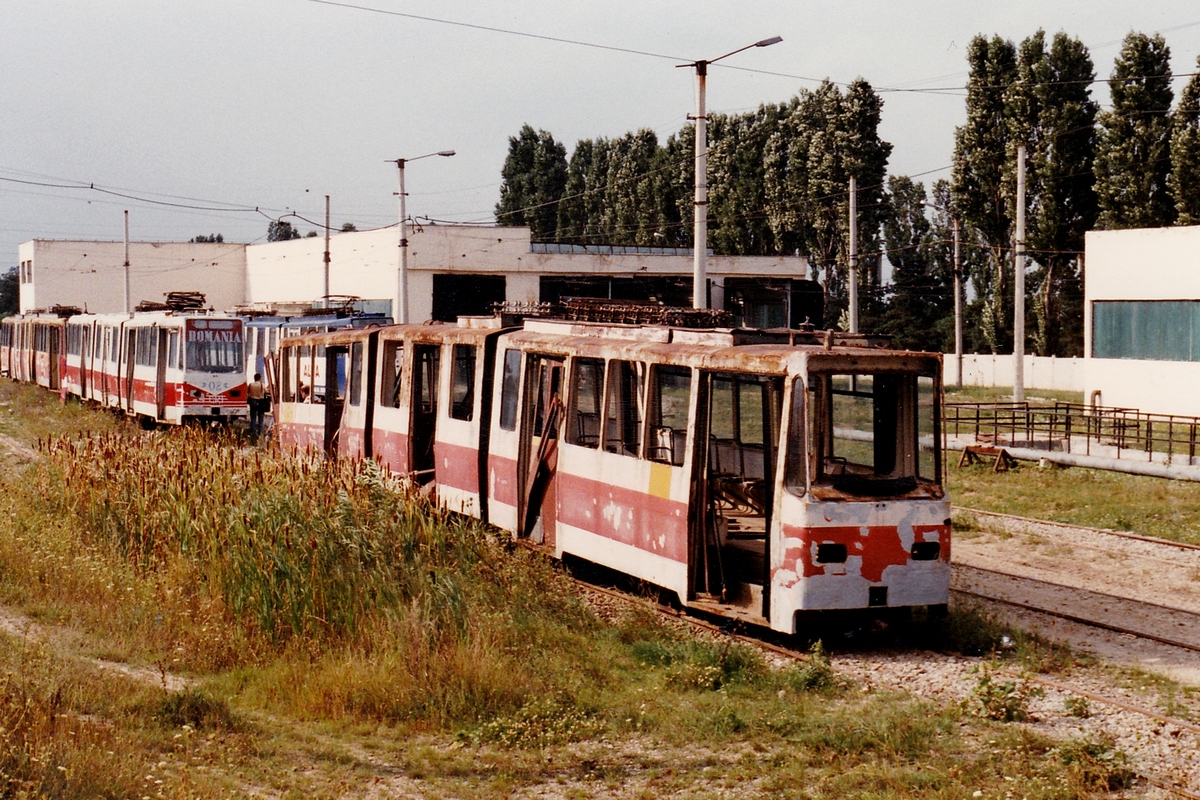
452 270
458 269
1142 319
91 275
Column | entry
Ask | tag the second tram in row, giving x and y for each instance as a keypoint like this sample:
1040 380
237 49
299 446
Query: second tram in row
754 474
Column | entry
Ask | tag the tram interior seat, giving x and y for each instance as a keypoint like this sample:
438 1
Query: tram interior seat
669 446
737 477
588 433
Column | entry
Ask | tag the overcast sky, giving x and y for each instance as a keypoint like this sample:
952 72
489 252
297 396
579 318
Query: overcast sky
275 103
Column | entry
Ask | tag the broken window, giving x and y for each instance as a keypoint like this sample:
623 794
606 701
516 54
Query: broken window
583 417
867 429
508 390
623 408
795 471
393 369
462 382
670 401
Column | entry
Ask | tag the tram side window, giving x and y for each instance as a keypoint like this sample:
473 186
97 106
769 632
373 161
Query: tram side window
623 408
306 388
393 369
356 359
508 390
583 416
670 398
287 375
173 348
795 465
462 382
426 374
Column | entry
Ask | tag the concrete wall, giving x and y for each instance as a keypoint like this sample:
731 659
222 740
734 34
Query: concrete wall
365 264
91 275
1145 264
1061 374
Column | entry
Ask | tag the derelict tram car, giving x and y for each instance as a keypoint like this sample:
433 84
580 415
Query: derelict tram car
756 474
161 366
31 349
264 332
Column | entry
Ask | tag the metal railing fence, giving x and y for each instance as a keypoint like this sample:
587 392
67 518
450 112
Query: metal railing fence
1076 428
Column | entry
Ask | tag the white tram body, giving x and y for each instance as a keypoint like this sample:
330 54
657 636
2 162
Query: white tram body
756 474
163 366
30 349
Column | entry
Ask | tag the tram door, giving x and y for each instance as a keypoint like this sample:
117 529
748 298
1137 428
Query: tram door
537 462
335 395
130 351
85 360
423 427
160 375
734 488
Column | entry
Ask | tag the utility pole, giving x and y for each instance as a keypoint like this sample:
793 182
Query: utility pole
853 276
400 310
700 200
958 309
700 221
128 307
326 295
1019 285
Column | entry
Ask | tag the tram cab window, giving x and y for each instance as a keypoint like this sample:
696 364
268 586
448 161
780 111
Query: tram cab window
462 382
670 402
393 369
866 432
354 389
623 407
510 383
583 416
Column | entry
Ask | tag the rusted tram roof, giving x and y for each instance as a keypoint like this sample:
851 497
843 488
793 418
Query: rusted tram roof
750 350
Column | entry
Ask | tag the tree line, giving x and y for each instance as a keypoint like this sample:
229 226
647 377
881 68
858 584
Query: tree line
778 184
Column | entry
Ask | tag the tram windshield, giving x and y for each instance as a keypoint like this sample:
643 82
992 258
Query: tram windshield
214 345
874 434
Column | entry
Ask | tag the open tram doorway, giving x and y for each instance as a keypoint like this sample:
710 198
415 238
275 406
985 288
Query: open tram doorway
426 369
335 395
735 488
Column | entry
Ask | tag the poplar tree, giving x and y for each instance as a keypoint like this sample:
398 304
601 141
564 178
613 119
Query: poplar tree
1185 153
533 179
826 137
919 302
1050 110
980 185
1133 153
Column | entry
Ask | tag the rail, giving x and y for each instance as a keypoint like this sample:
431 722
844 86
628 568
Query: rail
1104 431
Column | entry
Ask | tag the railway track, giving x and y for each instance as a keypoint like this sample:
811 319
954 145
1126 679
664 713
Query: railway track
1160 623
1010 522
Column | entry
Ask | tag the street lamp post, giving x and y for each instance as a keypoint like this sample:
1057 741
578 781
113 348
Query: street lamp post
700 202
958 312
401 305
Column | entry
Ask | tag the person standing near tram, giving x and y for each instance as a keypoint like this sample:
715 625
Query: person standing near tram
256 395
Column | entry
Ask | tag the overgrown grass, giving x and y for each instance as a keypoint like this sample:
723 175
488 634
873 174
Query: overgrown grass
320 611
1148 506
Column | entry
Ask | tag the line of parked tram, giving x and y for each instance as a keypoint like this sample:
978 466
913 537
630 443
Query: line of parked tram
163 367
759 475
